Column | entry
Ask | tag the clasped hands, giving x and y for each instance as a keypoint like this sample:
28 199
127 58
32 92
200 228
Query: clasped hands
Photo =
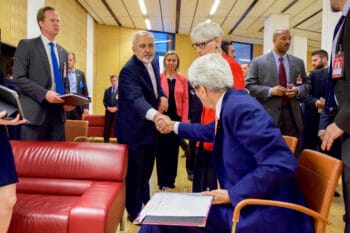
290 92
163 123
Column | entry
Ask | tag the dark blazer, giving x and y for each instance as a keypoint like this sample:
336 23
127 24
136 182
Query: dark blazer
82 88
108 101
263 75
136 97
342 85
311 116
251 160
32 76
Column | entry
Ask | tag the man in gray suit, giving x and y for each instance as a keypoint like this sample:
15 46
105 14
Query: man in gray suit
277 80
41 76
77 85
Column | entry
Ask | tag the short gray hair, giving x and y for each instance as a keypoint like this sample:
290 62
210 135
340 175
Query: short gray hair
211 71
206 31
140 33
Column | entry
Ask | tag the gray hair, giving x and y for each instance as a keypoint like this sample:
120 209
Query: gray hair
211 71
206 31
140 33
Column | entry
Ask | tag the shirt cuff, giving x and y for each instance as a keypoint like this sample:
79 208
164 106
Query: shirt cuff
150 114
176 127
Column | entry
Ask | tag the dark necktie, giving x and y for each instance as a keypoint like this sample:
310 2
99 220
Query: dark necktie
283 79
330 99
56 70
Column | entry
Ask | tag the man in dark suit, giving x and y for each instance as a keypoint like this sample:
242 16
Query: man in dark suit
277 80
41 76
140 95
77 85
240 161
110 101
340 80
313 103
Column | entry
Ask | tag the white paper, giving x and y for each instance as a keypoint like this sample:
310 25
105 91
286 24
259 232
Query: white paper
177 204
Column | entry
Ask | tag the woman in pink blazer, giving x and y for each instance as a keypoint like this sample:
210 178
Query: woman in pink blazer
175 87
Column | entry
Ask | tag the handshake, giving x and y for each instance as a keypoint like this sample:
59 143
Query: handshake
163 123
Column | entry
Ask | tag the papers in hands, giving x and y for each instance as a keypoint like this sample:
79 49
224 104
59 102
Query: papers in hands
183 209
74 99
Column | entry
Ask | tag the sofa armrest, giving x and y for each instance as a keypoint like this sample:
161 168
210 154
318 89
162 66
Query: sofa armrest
99 209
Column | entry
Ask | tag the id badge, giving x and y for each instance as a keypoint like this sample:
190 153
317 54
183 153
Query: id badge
338 66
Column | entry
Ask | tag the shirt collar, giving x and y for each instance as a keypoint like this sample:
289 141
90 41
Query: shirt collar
219 106
47 41
346 8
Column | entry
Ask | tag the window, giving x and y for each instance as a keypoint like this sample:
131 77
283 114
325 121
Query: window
164 42
244 52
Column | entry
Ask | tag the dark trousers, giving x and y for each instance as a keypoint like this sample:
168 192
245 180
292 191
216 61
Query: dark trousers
167 159
140 166
204 177
52 128
346 180
110 118
75 114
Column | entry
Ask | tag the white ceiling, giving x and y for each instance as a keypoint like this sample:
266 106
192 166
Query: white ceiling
241 20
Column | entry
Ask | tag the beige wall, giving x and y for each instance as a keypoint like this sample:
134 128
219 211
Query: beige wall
13 21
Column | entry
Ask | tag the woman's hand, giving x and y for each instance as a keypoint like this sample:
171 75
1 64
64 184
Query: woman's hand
14 121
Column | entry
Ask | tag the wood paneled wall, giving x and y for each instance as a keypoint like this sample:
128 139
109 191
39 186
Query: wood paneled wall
13 21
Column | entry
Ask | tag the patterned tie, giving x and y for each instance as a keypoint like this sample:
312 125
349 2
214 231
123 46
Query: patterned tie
283 79
56 70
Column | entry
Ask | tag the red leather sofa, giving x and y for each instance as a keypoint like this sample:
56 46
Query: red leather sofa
69 187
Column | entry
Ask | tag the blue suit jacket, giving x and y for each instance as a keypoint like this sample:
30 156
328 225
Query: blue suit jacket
251 160
136 97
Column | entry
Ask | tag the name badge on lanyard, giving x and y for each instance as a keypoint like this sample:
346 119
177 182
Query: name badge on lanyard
338 65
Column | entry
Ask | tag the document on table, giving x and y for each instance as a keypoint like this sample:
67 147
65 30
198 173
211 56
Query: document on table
181 209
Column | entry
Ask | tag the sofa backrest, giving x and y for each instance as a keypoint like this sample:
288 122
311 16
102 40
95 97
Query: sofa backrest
58 165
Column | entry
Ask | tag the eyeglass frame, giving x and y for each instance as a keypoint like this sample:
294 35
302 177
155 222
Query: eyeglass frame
201 45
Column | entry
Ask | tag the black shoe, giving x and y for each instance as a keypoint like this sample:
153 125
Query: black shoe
336 194
131 218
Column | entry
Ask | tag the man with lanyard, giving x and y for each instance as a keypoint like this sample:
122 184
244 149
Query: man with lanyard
339 83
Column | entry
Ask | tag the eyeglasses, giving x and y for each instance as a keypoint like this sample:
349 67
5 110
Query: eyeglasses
201 45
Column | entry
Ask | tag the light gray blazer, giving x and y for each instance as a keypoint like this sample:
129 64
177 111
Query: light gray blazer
263 75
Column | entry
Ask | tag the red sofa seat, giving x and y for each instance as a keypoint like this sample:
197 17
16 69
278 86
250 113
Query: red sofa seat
69 187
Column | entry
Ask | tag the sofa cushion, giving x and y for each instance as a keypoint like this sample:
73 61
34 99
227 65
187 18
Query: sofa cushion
41 213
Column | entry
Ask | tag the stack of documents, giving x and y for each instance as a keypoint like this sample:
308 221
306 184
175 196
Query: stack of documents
178 209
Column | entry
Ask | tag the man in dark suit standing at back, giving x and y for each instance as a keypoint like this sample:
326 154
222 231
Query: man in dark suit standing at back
110 101
40 73
276 79
141 102
339 83
313 103
77 85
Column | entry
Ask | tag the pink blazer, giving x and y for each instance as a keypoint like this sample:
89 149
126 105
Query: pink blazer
181 94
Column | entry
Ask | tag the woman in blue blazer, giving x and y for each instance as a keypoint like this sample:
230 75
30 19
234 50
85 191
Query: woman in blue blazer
251 159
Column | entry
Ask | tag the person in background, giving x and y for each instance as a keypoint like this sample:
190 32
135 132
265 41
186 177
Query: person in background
338 87
227 48
8 175
77 85
207 38
256 166
175 87
141 102
245 69
40 73
110 101
277 80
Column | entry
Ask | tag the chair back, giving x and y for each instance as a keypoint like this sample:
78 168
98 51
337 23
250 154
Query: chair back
96 125
75 129
292 142
317 177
